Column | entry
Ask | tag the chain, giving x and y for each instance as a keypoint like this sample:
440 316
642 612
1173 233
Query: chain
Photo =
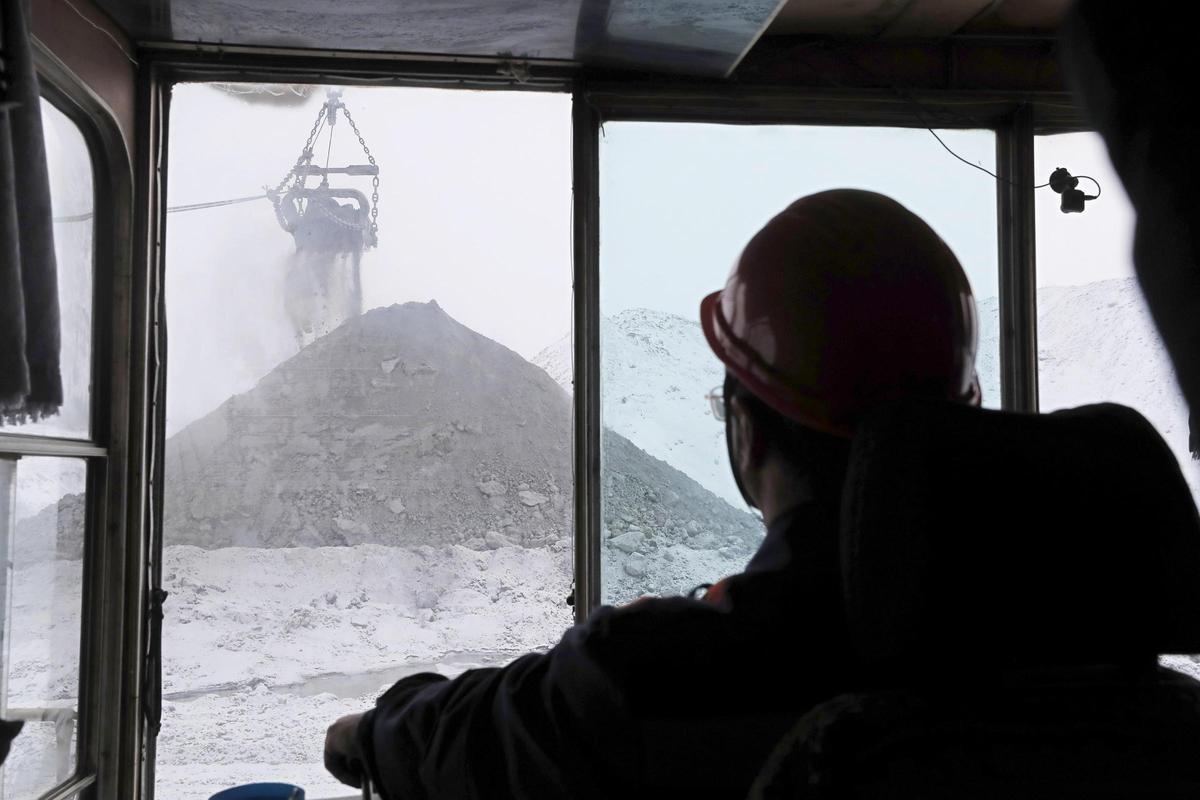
326 114
306 154
374 179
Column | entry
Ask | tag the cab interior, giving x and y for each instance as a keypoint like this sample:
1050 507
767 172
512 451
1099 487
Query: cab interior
516 211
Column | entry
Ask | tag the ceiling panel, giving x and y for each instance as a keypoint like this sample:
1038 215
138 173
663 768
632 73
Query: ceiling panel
1015 16
847 17
918 19
704 37
933 19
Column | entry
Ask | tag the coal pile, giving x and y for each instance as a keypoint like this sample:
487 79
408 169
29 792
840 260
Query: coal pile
405 428
401 427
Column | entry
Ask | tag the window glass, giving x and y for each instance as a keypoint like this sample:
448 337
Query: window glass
678 202
366 474
1096 341
71 195
42 544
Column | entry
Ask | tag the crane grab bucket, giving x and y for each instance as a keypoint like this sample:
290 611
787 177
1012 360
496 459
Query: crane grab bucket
313 214
331 227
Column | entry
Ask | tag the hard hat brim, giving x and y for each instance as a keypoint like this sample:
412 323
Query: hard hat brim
739 360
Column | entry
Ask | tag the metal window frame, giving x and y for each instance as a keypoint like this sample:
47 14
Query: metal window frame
160 70
143 692
106 450
1018 251
585 129
1010 115
1022 151
1014 117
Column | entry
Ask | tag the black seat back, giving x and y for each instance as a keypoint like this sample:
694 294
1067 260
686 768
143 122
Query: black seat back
1009 581
1025 539
1118 738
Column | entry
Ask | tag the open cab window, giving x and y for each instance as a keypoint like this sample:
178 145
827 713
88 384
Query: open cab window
678 201
367 475
44 503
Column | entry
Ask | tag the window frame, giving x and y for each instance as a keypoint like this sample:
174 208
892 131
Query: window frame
93 452
104 450
1018 232
113 536
1014 116
161 70
1029 273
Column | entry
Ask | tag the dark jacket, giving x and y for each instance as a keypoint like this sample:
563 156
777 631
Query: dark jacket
659 697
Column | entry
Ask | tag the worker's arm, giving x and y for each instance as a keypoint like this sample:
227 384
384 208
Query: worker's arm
658 698
546 725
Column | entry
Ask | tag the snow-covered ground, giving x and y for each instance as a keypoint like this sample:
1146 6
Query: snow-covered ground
261 733
261 651
42 665
237 616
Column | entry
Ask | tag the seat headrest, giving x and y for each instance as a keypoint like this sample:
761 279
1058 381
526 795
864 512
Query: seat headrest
1017 539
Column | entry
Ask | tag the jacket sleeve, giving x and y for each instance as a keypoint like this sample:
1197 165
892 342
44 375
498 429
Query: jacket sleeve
547 725
662 697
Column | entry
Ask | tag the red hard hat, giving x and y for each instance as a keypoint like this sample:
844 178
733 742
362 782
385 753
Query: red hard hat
845 300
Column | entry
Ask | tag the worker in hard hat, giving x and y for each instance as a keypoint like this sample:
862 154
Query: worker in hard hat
841 303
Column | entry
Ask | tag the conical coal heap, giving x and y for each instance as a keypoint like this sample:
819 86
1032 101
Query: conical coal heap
401 427
405 428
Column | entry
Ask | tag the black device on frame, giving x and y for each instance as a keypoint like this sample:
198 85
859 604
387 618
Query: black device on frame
1073 198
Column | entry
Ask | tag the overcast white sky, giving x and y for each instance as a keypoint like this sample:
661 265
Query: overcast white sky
1080 248
679 202
475 212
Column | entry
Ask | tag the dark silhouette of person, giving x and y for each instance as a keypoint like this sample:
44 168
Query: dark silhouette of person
843 301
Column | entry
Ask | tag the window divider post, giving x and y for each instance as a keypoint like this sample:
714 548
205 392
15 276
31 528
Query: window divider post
8 501
585 123
1018 262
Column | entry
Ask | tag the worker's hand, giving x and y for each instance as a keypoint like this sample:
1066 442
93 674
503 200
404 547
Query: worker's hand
343 758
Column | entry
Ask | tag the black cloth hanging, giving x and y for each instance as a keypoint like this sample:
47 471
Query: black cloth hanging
8 732
30 380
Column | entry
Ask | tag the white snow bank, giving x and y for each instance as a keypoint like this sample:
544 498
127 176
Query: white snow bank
263 648
280 616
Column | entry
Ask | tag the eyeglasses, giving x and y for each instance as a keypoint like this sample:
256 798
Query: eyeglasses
716 403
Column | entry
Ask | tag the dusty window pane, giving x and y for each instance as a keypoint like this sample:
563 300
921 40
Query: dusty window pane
357 493
70 166
41 604
1096 341
678 202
